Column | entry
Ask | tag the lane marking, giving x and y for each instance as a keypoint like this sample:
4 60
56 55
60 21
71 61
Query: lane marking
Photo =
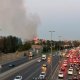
16 69
32 74
55 72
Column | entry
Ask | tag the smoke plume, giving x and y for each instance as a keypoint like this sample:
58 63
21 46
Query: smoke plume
15 20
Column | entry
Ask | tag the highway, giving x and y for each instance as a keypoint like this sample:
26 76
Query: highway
34 70
66 75
65 72
17 62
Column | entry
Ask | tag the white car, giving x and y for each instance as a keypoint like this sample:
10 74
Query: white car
42 75
60 75
0 66
39 60
79 71
71 68
70 71
18 78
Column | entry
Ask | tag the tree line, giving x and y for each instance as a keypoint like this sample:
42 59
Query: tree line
58 45
9 44
12 44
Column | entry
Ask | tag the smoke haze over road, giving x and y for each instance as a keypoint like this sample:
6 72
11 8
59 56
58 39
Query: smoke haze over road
15 19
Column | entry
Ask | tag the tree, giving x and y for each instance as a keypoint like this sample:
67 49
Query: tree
11 44
25 46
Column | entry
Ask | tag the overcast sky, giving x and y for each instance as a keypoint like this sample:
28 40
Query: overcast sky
61 16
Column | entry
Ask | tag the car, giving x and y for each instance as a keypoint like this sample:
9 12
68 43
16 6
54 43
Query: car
53 54
18 77
79 72
44 68
0 66
75 77
35 78
44 65
11 65
79 77
70 71
77 67
39 60
71 65
65 60
71 68
60 75
65 63
67 56
62 68
69 78
79 64
42 76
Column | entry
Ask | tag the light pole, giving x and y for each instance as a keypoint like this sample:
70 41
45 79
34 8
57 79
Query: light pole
51 52
59 49
59 42
0 57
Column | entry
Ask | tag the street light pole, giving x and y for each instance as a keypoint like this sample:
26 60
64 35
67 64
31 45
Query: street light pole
59 41
51 52
59 49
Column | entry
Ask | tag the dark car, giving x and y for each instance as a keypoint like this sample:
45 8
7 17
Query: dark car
69 78
77 68
71 65
11 65
75 77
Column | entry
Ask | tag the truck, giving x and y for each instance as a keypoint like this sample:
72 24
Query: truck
43 56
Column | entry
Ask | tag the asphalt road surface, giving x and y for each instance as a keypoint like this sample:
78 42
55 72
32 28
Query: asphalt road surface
34 70
65 72
18 62
66 75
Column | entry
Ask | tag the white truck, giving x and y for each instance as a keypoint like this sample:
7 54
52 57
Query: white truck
43 56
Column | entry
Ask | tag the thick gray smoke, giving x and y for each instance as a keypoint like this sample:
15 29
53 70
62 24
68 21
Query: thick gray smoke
15 20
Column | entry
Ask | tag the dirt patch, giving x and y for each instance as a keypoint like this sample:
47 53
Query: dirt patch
11 56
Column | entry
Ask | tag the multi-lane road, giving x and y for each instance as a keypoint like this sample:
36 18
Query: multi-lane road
74 65
34 70
66 75
5 67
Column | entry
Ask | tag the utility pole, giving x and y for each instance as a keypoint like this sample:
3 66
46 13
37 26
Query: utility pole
51 52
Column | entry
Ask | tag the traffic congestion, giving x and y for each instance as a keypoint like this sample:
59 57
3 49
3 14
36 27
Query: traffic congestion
70 66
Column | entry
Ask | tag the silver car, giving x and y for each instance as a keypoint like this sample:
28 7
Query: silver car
18 78
42 76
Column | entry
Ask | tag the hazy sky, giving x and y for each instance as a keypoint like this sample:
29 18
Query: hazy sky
61 16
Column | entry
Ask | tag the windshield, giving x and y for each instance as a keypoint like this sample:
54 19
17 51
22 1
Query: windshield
17 77
42 73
